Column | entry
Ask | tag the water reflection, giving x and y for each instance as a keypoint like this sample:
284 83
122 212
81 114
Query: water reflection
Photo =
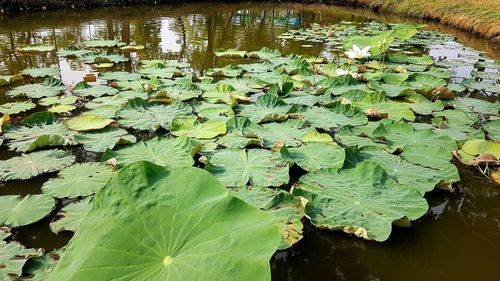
457 240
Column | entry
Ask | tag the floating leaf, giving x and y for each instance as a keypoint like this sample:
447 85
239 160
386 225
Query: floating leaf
175 153
266 108
191 127
85 90
49 88
255 166
363 201
334 115
13 256
71 215
107 138
103 43
30 165
87 123
41 72
18 211
78 180
287 209
191 220
314 156
16 107
36 48
479 152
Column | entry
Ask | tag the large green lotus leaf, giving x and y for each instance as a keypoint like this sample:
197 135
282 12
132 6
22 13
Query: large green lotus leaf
477 151
160 71
86 90
397 136
477 105
402 58
315 136
314 156
405 31
395 78
64 100
38 268
107 138
458 118
12 108
87 123
244 85
377 105
267 108
349 137
41 72
119 76
13 257
61 108
334 115
427 156
71 215
493 130
191 127
303 98
30 165
236 141
276 134
103 43
286 208
363 200
41 129
141 115
422 179
225 93
255 166
18 211
168 152
421 105
78 180
211 111
154 223
49 88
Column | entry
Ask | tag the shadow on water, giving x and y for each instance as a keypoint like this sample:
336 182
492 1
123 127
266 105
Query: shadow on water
458 239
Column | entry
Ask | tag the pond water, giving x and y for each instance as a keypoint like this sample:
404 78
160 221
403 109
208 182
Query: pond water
458 239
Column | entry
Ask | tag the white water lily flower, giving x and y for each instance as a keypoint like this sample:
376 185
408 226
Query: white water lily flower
340 71
357 53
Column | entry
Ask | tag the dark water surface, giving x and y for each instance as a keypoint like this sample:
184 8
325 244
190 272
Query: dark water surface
459 238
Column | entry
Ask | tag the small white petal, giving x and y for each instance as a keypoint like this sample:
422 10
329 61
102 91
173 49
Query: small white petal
351 54
366 49
356 48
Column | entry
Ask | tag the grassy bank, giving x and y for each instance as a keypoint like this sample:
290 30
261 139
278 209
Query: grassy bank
479 16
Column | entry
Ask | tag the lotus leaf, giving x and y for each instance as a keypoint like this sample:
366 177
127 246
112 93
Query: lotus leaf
49 88
107 138
16 107
377 105
175 153
267 108
103 43
428 156
362 200
41 72
103 60
78 180
493 130
402 58
230 53
287 209
481 85
132 48
73 53
314 156
477 152
255 166
276 134
61 108
41 129
70 216
38 268
120 76
191 127
8 79
13 256
227 71
476 105
64 100
266 53
315 136
334 115
87 123
165 221
18 211
421 105
141 115
85 90
378 43
36 48
30 165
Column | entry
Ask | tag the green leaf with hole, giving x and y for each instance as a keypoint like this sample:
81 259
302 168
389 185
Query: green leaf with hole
363 200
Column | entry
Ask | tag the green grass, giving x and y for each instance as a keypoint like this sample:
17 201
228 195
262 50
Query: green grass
479 16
